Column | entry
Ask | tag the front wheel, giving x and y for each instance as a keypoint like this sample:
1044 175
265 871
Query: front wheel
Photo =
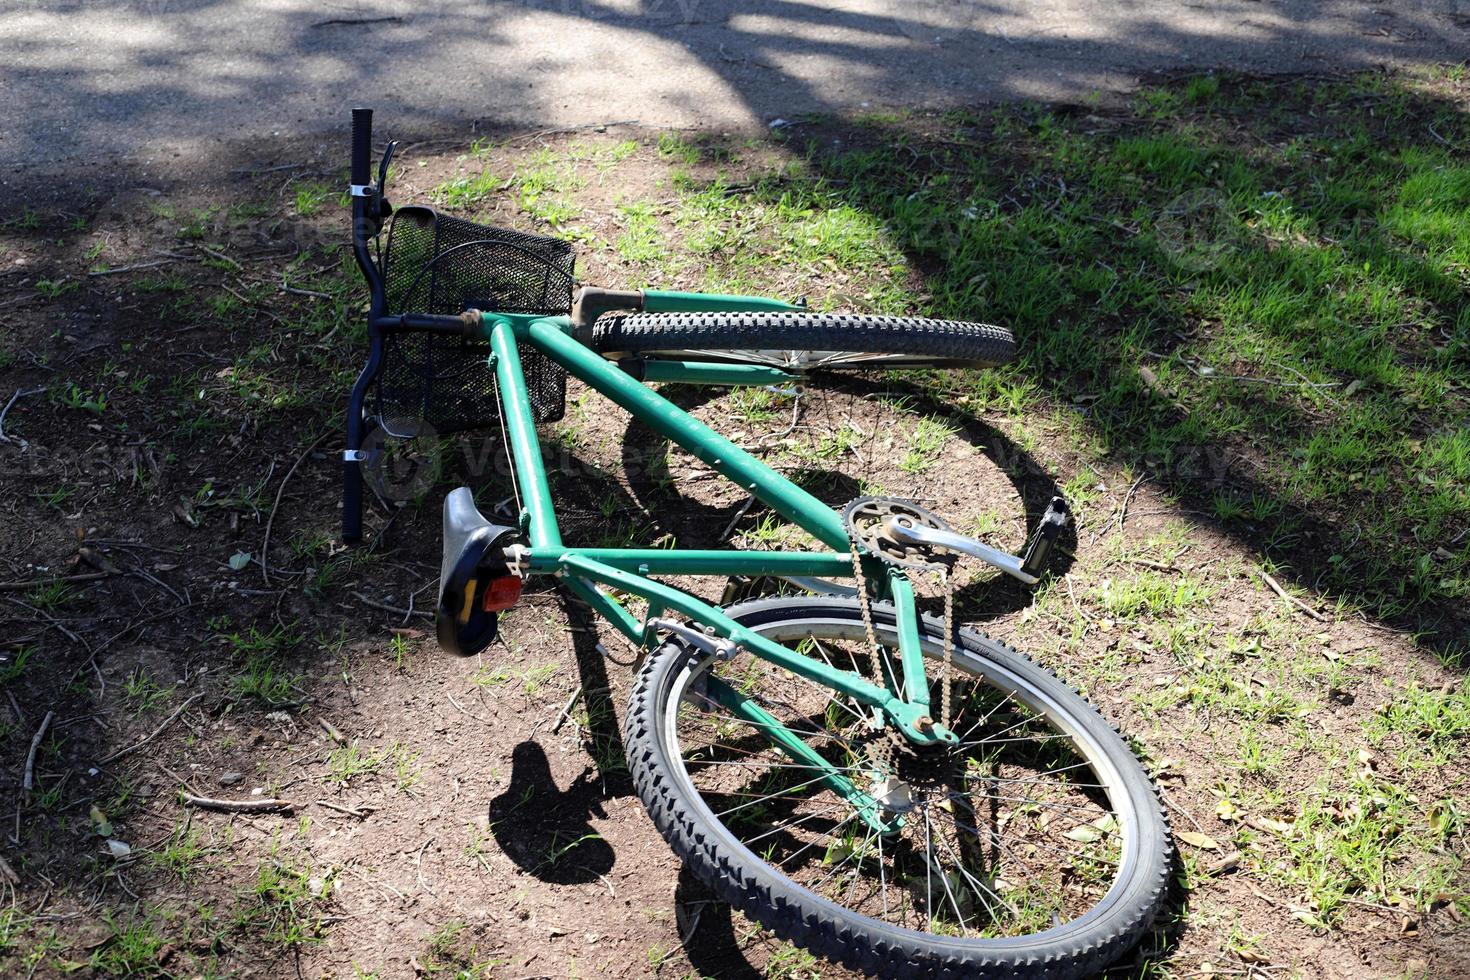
1034 848
804 341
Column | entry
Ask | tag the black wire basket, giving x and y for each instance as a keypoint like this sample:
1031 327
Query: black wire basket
438 264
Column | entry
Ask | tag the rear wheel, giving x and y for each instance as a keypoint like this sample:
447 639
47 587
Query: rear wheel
803 341
1037 847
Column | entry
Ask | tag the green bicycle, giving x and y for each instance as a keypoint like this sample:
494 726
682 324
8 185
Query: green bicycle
889 790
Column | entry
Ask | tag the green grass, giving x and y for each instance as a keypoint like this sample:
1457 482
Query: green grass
13 664
467 190
639 242
1257 290
142 692
925 444
287 904
263 679
183 852
349 763
310 198
1151 594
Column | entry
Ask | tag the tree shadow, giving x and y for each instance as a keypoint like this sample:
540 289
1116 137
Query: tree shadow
724 61
1101 300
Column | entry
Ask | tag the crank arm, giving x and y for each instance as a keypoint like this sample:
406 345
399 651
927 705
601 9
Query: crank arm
1026 569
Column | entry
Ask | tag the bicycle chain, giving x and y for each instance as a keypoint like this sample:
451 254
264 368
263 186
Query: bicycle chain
941 568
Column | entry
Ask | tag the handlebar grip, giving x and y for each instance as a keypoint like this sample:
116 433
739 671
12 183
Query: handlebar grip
362 146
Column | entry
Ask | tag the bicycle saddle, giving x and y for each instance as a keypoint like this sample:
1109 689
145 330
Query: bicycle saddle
475 581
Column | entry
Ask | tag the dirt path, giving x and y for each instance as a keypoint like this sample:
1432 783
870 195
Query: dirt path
90 81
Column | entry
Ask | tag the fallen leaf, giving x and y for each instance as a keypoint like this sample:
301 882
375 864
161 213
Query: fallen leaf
101 823
1308 918
1084 834
239 560
1270 825
1202 841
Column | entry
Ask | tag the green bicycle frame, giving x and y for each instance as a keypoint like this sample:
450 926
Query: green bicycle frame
590 572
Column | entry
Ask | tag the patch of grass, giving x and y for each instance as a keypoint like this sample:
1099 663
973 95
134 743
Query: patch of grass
12 664
56 288
278 641
350 762
1362 838
789 962
676 146
132 948
544 186
1432 726
288 903
74 396
400 649
183 852
310 198
468 190
925 445
451 950
143 692
199 225
1151 594
639 241
562 846
263 679
532 678
406 772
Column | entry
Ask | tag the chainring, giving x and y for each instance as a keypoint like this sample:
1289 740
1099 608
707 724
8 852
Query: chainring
865 519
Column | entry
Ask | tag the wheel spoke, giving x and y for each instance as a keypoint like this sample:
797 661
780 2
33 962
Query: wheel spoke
989 818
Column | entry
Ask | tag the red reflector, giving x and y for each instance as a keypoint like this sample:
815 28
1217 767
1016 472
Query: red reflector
501 593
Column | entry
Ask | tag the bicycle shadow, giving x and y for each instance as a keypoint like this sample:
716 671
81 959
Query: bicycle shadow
698 524
546 831
706 927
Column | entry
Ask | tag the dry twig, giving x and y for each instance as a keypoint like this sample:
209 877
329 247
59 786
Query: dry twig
19 394
62 579
1276 587
392 609
239 806
153 734
30 775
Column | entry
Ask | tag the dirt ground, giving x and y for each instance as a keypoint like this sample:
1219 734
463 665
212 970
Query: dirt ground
179 616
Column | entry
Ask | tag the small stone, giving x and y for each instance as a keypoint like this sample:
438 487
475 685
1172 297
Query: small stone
231 778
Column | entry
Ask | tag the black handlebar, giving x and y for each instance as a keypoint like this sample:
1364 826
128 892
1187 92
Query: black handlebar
362 146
